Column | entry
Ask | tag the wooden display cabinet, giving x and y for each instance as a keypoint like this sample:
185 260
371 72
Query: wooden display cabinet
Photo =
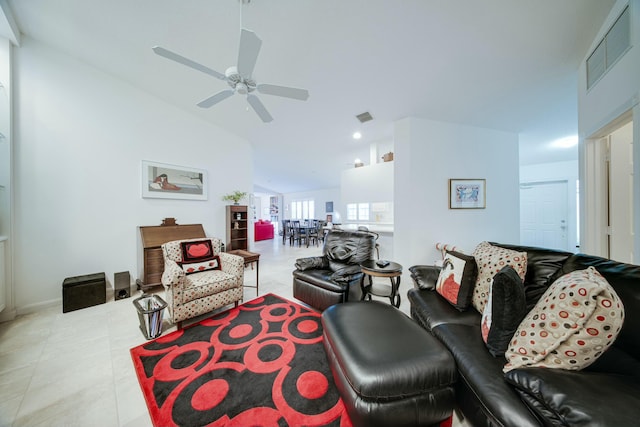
237 226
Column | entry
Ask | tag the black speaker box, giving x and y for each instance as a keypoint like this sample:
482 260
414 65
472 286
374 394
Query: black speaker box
121 285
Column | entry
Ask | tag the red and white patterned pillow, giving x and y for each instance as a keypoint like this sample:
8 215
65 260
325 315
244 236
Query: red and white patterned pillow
198 266
573 323
457 278
490 260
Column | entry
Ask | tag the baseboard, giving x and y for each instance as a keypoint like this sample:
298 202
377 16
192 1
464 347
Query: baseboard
7 315
35 308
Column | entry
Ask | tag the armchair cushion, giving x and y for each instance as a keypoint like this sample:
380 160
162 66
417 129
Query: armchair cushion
198 266
347 274
197 251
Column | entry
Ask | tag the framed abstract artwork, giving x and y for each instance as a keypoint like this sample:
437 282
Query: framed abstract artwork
164 181
467 193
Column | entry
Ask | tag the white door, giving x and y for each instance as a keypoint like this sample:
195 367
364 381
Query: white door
543 215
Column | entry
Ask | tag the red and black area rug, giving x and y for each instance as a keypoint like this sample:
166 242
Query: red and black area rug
260 364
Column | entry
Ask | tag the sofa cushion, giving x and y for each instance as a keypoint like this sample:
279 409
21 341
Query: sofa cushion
504 311
491 259
481 376
569 398
429 309
457 279
574 322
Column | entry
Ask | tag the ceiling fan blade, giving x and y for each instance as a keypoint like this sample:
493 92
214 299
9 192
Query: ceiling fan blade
186 61
288 92
248 53
213 100
259 108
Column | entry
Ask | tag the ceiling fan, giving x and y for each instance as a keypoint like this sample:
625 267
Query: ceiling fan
239 77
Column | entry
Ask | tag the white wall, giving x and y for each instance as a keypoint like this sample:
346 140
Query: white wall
373 183
80 138
427 154
617 92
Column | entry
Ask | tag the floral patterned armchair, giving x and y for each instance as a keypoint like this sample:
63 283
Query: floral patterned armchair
199 278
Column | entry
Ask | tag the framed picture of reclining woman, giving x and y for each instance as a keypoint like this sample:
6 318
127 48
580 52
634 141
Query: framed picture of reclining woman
165 181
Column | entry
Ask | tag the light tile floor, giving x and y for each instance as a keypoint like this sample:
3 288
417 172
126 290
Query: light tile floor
74 369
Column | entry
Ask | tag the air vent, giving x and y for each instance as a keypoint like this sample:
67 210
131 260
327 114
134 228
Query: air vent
611 48
364 117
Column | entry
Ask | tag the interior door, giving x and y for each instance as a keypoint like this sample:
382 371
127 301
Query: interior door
543 215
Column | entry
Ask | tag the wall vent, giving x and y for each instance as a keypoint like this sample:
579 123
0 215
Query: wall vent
611 48
364 117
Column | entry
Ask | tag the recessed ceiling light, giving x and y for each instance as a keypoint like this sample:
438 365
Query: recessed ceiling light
357 135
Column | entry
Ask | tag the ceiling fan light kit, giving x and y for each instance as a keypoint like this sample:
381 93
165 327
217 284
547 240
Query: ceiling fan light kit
239 77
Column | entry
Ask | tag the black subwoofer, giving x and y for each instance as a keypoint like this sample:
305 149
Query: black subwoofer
121 285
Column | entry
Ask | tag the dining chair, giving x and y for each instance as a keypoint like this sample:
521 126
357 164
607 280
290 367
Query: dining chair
286 230
314 232
298 233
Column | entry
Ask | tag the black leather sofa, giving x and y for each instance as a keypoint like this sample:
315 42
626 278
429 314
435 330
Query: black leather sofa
607 393
334 277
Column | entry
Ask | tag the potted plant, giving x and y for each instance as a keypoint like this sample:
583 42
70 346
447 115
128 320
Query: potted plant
235 197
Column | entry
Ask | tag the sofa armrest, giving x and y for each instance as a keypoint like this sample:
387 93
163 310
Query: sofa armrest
314 262
425 276
232 264
571 398
172 275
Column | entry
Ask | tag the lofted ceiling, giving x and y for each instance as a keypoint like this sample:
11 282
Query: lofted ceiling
503 64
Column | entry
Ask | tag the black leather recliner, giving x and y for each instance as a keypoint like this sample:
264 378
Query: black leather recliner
334 277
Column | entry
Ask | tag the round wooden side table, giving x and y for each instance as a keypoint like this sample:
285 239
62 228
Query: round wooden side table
371 269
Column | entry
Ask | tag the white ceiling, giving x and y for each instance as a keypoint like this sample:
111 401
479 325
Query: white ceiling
501 64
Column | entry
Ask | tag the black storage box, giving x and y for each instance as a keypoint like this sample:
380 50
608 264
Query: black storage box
83 291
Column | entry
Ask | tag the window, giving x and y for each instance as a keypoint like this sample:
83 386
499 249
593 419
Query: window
363 211
358 211
303 209
614 44
352 212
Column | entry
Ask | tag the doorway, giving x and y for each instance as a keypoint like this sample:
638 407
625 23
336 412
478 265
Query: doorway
609 200
620 193
544 218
